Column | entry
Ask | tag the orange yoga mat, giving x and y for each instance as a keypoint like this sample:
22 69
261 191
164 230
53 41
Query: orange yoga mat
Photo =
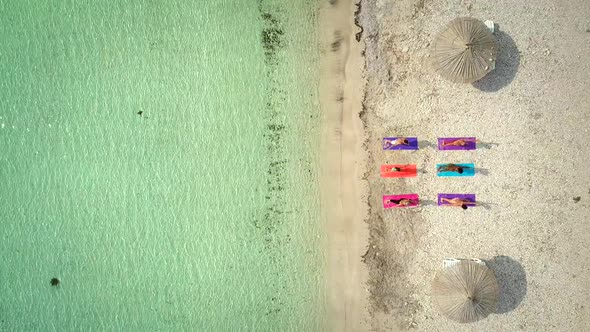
398 171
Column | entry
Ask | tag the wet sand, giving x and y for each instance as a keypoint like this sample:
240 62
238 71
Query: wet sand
344 206
533 112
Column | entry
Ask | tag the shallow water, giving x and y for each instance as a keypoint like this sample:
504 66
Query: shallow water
161 160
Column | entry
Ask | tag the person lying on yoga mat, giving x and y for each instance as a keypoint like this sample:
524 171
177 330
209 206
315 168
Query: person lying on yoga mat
460 142
401 201
396 142
463 203
394 169
451 168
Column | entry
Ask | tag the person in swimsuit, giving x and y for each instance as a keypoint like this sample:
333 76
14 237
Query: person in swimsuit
460 142
462 202
401 201
451 168
395 169
396 142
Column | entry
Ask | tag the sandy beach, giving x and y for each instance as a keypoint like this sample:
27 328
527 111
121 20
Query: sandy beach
532 175
344 207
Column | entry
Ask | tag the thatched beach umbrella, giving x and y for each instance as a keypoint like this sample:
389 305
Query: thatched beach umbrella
465 51
465 292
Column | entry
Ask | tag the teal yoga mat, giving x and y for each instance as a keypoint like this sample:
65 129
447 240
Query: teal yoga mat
468 170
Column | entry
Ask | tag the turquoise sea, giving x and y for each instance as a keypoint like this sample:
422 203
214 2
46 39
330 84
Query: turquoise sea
160 158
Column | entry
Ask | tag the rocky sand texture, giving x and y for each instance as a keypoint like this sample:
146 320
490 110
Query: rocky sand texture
533 113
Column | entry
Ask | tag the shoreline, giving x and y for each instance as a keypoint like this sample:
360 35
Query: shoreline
343 192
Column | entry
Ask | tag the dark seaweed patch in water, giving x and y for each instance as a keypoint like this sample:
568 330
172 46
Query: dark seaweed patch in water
276 127
270 223
269 18
271 38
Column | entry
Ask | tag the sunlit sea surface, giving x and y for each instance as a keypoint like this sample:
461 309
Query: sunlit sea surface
160 158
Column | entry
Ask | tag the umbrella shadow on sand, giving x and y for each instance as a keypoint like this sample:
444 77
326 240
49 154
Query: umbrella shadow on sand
506 65
511 280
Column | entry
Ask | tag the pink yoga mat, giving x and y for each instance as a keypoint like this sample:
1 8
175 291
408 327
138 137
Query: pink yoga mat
388 205
470 143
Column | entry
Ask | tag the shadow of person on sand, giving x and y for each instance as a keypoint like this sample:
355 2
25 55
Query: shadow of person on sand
486 145
511 280
428 202
507 65
426 144
485 205
482 171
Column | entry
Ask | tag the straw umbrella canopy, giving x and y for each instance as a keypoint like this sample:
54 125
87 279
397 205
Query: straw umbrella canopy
465 292
465 51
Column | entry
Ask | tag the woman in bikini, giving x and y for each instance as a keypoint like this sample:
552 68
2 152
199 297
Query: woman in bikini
462 202
390 171
396 142
460 142
394 169
401 201
451 168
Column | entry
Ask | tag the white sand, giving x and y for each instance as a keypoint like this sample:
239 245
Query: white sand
536 108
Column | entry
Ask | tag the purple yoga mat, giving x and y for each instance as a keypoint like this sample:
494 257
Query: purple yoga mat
412 144
470 143
470 197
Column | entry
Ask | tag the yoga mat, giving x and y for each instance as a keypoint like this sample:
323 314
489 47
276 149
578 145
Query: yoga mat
406 171
470 197
471 145
389 205
468 170
412 144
